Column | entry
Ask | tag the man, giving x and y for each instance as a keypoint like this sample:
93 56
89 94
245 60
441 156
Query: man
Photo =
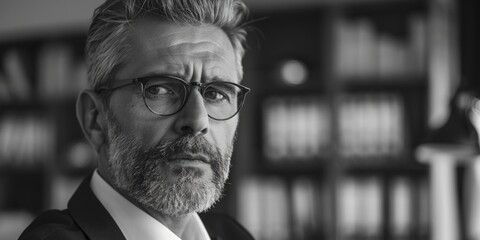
162 117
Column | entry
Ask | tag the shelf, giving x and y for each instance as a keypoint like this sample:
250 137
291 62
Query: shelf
37 105
31 107
401 83
73 37
375 165
293 91
366 95
296 167
383 8
26 171
386 166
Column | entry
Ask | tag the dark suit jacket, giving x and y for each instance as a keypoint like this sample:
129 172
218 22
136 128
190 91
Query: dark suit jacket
86 218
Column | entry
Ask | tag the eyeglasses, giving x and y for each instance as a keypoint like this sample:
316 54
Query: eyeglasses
166 95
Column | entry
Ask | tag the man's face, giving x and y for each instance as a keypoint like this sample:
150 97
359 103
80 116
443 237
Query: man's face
171 164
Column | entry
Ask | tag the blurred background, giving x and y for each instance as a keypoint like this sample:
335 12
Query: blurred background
335 139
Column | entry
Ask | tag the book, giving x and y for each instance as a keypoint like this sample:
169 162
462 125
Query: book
264 208
295 128
401 207
371 124
362 52
25 140
16 77
5 95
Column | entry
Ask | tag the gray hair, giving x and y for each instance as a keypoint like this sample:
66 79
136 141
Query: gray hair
107 45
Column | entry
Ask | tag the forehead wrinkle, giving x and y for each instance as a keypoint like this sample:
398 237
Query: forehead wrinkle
195 58
180 35
190 52
171 68
205 55
191 70
199 48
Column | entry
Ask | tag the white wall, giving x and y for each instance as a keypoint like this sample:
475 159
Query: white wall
31 17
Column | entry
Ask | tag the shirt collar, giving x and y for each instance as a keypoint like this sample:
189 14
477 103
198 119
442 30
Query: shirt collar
137 224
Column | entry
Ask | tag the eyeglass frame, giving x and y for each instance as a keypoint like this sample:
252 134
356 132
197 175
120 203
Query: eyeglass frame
188 86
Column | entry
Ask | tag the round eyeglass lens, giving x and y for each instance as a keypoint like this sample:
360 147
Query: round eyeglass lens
222 100
164 96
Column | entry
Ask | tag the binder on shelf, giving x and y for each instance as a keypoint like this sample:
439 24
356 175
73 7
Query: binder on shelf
303 200
392 57
397 126
264 208
362 52
250 212
418 44
366 44
347 208
346 126
318 127
5 95
345 48
16 80
276 209
309 208
360 208
385 125
401 207
295 128
301 213
275 128
25 141
371 124
424 208
271 210
372 207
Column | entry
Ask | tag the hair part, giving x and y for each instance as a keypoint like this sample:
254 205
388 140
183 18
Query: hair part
108 38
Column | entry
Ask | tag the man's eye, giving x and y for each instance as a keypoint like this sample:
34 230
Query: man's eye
213 95
158 90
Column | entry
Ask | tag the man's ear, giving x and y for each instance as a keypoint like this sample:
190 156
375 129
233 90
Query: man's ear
91 116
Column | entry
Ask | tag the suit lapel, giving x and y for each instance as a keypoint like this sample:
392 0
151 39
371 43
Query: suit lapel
222 227
91 216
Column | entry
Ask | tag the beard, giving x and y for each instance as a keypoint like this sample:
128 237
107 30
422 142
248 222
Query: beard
146 175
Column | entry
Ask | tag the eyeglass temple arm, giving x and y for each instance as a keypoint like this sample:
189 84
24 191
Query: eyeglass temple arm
117 84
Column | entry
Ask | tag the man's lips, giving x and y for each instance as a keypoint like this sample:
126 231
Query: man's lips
189 157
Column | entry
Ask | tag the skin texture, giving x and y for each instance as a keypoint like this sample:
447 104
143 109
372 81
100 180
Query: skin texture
193 53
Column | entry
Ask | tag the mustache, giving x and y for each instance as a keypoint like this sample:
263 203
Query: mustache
185 144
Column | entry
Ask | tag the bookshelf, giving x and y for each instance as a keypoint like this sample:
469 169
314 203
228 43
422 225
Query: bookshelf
339 107
42 152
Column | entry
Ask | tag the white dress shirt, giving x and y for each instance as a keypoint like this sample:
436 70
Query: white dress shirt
135 223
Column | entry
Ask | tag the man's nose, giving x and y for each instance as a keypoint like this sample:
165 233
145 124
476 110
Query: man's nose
193 118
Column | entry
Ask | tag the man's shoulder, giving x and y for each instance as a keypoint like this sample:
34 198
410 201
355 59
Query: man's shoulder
52 225
222 226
